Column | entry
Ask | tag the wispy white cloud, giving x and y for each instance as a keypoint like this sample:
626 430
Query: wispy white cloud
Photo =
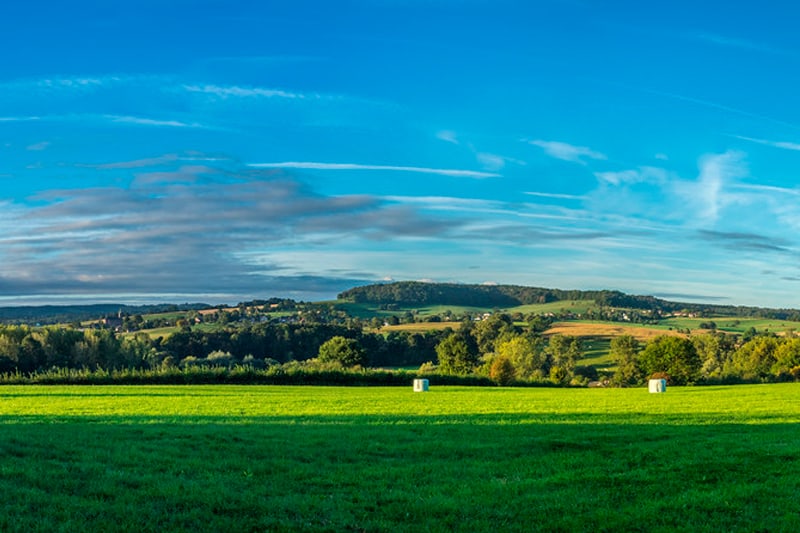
775 144
161 160
445 201
629 177
720 107
75 82
568 152
780 202
732 42
29 118
488 161
491 161
494 162
555 195
143 121
617 178
769 189
447 136
115 119
451 203
37 147
310 165
707 196
51 85
496 213
234 91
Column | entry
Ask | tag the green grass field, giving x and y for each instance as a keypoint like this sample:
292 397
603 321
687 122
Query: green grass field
364 310
733 324
230 458
370 310
572 306
155 332
597 353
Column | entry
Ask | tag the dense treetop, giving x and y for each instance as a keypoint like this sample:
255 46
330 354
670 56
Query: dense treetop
421 293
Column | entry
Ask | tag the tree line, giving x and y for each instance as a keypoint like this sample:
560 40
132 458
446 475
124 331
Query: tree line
709 357
28 349
499 347
33 349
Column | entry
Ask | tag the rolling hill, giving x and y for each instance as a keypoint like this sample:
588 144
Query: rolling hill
415 293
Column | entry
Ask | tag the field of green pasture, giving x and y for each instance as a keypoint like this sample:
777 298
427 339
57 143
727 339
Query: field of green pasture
169 330
572 306
370 310
231 458
597 353
366 310
732 324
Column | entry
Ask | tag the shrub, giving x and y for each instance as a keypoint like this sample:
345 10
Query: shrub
558 375
502 371
189 361
427 368
219 358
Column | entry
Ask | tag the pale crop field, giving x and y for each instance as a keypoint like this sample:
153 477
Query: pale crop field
263 458
609 329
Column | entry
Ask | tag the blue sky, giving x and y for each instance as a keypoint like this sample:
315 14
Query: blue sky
225 150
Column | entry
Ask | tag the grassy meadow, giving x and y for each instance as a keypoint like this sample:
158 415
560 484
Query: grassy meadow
367 310
732 324
249 458
572 306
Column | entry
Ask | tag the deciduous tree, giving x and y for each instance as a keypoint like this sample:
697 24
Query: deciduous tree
525 355
455 356
347 352
674 355
625 351
502 371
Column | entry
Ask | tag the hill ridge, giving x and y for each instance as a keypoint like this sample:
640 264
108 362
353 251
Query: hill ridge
418 293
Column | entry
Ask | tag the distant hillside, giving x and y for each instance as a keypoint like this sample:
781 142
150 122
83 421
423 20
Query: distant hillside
54 314
415 293
420 293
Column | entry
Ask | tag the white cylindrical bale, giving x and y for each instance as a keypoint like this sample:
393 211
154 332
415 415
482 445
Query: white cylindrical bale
658 385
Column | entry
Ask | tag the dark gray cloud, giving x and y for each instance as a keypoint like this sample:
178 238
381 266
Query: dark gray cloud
681 296
523 234
745 241
389 222
194 229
